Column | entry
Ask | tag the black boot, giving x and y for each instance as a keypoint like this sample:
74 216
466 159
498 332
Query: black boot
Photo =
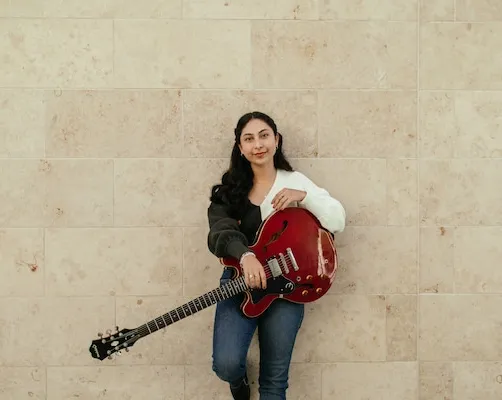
241 392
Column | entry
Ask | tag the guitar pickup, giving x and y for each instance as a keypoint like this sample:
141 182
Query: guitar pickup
275 268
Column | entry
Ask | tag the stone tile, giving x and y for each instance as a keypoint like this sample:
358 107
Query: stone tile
201 383
294 112
305 382
457 328
188 341
460 192
376 260
22 193
437 269
79 192
201 269
96 123
369 10
402 192
258 9
91 9
22 123
478 10
460 124
165 192
56 193
52 331
478 380
22 383
358 323
343 179
375 381
22 262
150 54
437 10
460 56
477 260
118 383
56 52
367 124
113 261
401 328
436 381
334 54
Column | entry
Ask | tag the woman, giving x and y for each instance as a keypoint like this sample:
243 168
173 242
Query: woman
259 181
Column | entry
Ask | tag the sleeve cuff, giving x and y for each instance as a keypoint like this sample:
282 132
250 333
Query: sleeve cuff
236 249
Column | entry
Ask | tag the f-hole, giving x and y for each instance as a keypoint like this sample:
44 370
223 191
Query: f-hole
276 235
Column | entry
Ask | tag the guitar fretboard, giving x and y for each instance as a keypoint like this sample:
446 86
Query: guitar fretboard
223 292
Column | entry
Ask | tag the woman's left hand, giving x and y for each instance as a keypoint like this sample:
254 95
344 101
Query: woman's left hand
287 196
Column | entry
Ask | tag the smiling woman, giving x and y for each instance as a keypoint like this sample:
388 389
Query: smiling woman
259 181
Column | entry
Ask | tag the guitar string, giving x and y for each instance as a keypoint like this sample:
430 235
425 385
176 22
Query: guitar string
144 328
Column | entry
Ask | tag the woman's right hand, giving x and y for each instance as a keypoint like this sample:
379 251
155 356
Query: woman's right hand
254 274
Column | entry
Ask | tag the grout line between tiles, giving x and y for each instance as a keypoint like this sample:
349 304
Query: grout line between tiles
246 89
113 192
46 382
113 50
182 117
318 126
417 216
182 261
44 275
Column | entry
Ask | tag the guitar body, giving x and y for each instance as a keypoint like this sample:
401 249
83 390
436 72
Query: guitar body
299 258
300 262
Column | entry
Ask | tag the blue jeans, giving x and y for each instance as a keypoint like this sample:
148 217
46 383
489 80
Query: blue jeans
277 330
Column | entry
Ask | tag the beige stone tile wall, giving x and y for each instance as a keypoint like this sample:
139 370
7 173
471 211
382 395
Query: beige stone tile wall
116 117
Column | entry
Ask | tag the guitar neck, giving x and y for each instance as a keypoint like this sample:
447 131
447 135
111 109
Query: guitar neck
208 299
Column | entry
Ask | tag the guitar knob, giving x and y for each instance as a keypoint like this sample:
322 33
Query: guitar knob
318 290
309 277
305 292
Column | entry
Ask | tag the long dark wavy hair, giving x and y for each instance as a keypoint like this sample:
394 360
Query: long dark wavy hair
237 181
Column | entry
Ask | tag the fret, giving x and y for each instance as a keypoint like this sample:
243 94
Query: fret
185 307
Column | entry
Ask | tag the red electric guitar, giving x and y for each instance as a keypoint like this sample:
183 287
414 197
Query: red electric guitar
300 262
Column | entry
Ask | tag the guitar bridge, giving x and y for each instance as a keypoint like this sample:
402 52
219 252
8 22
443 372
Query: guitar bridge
292 258
284 263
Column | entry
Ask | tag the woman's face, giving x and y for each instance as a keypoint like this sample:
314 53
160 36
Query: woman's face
258 143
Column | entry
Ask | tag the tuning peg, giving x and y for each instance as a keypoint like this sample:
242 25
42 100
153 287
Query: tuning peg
127 349
108 331
110 357
119 353
100 334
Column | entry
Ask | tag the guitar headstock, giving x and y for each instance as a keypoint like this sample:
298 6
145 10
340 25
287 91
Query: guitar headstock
113 342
